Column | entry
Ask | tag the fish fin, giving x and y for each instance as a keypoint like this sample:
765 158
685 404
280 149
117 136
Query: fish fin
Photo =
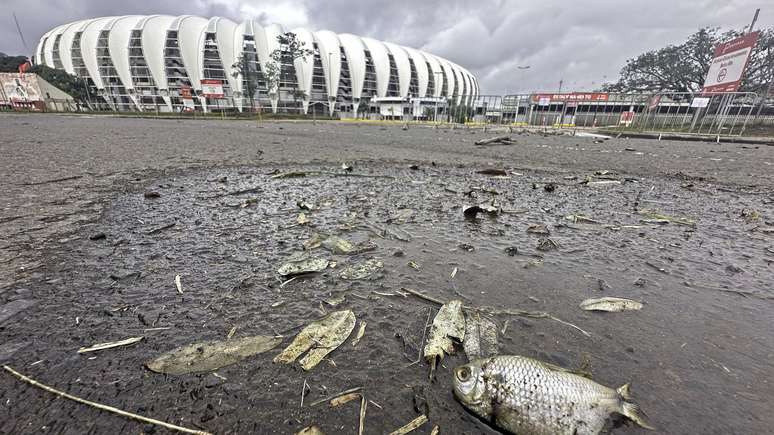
623 391
635 414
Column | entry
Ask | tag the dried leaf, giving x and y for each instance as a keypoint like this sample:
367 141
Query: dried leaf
320 337
360 333
211 355
369 269
610 304
110 345
302 265
411 426
302 219
311 430
448 323
178 284
341 400
480 336
656 216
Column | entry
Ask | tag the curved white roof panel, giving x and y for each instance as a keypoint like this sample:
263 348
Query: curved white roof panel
356 61
404 68
154 37
118 43
232 39
422 73
89 40
381 60
330 55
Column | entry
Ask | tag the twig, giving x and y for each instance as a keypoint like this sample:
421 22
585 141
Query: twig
101 406
343 393
410 426
303 393
55 180
160 229
492 311
110 345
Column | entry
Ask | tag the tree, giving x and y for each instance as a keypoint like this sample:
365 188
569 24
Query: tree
245 68
290 49
68 83
11 63
683 67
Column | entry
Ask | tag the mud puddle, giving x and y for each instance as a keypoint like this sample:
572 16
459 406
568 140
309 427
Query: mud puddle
698 354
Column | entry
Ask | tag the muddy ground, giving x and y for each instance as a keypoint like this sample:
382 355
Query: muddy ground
86 258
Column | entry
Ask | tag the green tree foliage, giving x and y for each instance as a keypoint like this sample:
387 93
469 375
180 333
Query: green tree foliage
290 49
11 63
68 83
245 68
683 67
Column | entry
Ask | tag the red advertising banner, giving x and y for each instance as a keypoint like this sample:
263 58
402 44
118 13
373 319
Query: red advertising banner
212 88
574 96
727 67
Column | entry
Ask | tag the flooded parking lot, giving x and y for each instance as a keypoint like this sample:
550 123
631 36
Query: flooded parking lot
98 227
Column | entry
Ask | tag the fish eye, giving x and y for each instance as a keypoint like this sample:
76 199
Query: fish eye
463 374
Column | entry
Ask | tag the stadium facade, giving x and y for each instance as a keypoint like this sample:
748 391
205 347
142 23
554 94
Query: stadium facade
184 63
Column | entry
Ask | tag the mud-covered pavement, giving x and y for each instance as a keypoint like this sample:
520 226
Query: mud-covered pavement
87 258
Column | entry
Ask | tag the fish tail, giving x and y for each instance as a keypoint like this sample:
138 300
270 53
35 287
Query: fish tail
631 409
623 391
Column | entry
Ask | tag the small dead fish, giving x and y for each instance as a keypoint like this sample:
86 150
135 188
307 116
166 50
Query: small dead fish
612 305
529 397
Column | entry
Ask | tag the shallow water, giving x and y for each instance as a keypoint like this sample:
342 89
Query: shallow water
698 354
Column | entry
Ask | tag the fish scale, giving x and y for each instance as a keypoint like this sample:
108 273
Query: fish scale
529 397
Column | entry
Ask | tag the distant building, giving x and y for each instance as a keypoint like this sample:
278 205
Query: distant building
27 91
187 63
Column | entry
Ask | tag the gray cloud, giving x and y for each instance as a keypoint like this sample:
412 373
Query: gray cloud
581 42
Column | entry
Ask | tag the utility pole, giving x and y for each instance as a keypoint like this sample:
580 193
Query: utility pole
771 71
330 85
561 82
755 18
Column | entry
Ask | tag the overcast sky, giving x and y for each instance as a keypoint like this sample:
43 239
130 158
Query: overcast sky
582 42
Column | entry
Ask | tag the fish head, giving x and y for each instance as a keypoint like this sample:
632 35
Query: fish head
470 388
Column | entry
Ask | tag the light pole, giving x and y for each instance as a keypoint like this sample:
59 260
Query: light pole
437 91
330 85
523 69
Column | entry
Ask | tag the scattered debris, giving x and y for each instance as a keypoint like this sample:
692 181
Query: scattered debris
471 211
302 219
493 172
480 336
360 333
110 345
161 228
413 265
603 183
98 236
410 426
151 194
592 135
654 215
320 338
341 400
369 269
338 246
580 218
546 244
550 187
610 304
101 406
178 284
311 430
300 265
512 251
498 140
448 324
750 215
538 229
211 355
466 247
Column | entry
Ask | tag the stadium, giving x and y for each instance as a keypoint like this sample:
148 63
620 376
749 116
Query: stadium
189 63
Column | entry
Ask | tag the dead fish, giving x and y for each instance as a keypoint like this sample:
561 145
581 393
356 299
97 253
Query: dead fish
530 397
609 304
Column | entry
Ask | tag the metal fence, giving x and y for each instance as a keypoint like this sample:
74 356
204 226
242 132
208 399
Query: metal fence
720 114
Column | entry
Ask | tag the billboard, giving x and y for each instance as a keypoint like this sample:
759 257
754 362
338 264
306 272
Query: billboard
212 88
727 67
574 96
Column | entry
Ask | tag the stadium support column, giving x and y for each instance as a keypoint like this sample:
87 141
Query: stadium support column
203 102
